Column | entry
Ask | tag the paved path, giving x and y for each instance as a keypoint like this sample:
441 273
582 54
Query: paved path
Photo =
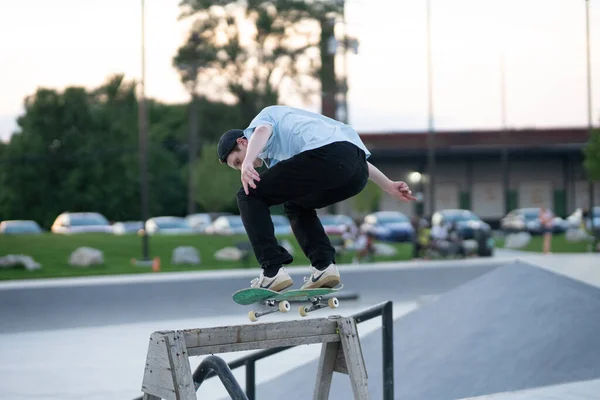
586 390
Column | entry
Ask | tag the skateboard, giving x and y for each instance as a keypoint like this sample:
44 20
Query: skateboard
280 301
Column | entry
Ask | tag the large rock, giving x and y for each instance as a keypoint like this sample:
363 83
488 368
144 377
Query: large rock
383 249
86 256
185 255
16 260
287 245
229 254
577 235
517 240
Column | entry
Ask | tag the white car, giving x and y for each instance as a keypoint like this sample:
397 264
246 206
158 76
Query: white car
127 227
80 222
168 226
19 227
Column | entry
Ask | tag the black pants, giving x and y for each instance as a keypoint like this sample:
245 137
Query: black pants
310 180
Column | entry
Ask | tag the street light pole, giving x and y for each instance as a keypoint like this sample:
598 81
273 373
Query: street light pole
143 146
505 171
430 134
589 112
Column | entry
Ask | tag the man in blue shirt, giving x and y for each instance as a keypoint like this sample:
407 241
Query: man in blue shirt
313 161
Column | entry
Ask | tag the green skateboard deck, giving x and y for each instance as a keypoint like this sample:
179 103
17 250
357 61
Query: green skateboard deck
279 301
255 295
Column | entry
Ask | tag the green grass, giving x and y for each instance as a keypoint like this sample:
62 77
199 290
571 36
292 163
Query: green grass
53 251
559 245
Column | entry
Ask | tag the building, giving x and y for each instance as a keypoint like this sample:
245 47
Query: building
542 167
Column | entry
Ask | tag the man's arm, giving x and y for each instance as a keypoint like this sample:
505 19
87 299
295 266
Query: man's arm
399 190
257 142
379 177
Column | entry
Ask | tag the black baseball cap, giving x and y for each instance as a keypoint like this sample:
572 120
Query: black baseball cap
227 143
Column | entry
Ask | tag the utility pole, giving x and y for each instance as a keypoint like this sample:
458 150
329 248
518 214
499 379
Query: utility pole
431 133
505 170
327 76
589 112
143 148
192 151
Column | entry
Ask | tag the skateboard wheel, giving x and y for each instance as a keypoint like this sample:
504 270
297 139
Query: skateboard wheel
333 302
252 316
302 311
284 306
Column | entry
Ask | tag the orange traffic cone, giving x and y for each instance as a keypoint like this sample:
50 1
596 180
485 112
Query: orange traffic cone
156 264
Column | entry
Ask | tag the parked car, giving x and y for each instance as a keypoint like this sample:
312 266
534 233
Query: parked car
19 227
528 220
127 227
80 222
227 225
466 221
281 224
391 226
199 221
337 224
574 220
168 225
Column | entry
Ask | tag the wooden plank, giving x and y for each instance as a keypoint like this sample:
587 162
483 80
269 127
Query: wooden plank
180 367
150 397
325 370
340 362
262 344
354 358
258 332
158 379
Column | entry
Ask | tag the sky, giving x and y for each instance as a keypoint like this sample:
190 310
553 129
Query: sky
69 42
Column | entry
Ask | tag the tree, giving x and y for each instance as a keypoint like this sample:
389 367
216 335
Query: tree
77 150
592 156
368 200
218 184
253 52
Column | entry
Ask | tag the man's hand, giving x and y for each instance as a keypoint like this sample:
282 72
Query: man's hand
249 175
400 191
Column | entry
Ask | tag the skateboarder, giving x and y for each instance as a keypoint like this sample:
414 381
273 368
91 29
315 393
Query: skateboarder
313 162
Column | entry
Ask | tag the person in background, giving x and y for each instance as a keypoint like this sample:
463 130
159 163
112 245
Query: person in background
415 222
546 222
364 246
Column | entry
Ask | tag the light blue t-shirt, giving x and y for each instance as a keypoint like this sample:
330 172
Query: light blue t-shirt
296 130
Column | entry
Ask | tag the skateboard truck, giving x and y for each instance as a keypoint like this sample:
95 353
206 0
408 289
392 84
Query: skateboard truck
317 304
272 306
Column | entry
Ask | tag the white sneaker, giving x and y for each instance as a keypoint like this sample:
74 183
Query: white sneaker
329 278
277 283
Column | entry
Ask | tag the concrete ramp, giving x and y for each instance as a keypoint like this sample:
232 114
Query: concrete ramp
514 328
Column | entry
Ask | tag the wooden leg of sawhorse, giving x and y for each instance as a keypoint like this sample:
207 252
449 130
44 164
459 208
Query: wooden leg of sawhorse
344 357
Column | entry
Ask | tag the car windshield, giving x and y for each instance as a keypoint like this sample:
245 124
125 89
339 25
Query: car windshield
199 218
132 225
86 220
391 218
22 227
531 213
172 223
460 216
